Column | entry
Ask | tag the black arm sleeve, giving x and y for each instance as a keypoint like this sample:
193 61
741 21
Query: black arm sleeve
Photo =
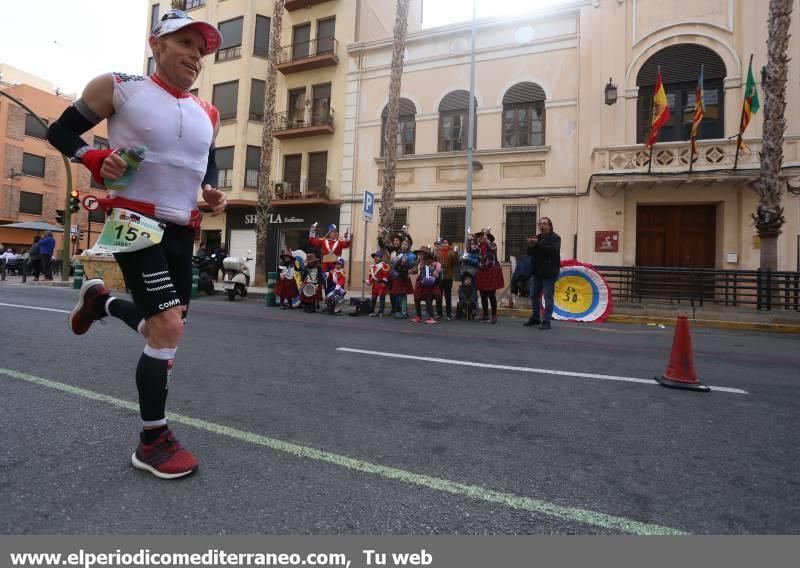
212 173
65 133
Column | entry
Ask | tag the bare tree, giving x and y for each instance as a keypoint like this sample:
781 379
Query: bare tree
392 120
770 185
265 167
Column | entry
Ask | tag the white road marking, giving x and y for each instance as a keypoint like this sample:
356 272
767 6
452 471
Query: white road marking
522 369
35 308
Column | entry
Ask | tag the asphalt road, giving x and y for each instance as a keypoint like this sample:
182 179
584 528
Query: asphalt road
297 436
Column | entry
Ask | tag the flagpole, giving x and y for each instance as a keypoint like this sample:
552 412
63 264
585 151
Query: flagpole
650 160
741 118
693 133
691 156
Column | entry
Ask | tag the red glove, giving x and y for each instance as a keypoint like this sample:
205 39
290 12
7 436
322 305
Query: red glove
93 160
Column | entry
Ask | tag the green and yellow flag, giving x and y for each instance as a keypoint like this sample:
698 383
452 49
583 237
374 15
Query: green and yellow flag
751 104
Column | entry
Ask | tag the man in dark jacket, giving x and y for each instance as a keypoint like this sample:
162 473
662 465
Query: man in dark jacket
46 247
36 258
545 248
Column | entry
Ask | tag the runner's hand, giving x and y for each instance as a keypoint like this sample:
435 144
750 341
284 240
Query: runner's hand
113 167
215 198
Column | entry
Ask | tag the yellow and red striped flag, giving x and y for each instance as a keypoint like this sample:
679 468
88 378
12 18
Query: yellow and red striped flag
699 111
660 111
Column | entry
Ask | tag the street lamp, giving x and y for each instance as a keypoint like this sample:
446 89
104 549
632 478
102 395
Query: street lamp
611 92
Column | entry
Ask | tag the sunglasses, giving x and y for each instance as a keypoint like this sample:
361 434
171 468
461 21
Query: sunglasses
175 15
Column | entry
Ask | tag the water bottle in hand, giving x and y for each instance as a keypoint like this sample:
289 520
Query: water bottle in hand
133 157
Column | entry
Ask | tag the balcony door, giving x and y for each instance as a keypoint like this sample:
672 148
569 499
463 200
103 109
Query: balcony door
301 41
322 103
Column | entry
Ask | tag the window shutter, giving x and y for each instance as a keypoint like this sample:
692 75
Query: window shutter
317 171
400 219
291 170
231 33
257 99
451 223
680 64
224 158
520 224
525 92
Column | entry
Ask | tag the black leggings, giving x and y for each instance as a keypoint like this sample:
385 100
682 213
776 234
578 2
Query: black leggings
447 291
486 297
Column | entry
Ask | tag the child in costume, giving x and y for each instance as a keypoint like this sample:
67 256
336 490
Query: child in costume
490 275
335 286
378 279
427 286
286 288
401 284
331 246
467 298
311 292
392 249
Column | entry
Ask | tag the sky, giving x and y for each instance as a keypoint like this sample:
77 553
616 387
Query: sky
80 39
75 41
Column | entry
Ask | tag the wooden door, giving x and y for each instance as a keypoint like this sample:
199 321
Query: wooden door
678 236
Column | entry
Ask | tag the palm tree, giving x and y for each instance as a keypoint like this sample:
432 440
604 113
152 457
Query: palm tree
265 167
178 4
769 218
392 120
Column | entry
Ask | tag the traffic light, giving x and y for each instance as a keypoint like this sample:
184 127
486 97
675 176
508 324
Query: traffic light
60 216
74 201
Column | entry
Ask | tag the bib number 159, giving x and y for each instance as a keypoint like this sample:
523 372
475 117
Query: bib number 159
131 234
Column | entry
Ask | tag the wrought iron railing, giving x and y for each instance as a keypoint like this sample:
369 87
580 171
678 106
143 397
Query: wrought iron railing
305 49
229 53
289 121
759 289
192 4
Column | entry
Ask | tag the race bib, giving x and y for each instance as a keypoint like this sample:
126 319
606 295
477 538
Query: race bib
127 231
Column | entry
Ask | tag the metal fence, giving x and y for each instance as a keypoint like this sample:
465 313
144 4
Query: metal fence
761 289
305 49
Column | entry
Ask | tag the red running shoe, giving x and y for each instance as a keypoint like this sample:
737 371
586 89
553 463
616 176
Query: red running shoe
83 314
416 319
430 320
164 458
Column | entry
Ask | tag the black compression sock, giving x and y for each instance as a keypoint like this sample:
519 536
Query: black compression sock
152 381
124 310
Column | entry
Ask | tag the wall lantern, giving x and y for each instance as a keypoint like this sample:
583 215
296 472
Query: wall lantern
611 92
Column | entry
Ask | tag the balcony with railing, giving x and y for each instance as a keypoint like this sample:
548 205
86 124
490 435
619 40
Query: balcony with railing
228 53
192 4
313 54
617 167
303 193
295 125
292 5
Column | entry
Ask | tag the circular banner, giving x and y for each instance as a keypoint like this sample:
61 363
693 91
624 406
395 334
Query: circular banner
581 293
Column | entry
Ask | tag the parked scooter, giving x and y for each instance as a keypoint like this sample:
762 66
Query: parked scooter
206 266
237 276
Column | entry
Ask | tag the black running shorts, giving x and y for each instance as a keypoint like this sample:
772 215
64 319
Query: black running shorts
160 277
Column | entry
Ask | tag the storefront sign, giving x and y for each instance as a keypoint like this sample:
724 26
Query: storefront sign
606 241
273 219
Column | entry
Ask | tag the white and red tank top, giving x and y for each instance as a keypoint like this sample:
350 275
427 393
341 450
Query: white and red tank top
177 129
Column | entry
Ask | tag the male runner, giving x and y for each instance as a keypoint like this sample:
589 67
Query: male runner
178 131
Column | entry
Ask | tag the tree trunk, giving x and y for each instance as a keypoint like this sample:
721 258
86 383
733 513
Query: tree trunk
178 5
265 167
770 185
392 120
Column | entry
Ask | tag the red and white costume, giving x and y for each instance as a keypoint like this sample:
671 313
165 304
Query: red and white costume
330 247
337 279
178 131
379 279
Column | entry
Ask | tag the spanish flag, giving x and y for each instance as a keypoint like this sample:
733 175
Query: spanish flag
699 111
751 104
660 111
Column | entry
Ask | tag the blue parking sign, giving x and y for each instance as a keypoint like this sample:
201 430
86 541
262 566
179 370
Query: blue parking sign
369 205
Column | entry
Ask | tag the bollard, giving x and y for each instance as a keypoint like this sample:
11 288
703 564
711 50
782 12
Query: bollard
24 270
272 278
195 283
2 269
77 282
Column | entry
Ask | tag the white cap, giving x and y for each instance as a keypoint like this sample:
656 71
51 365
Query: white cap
175 20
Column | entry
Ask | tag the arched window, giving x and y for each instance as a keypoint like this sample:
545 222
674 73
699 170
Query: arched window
454 121
523 115
406 128
680 69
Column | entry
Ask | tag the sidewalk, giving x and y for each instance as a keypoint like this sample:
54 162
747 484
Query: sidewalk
744 318
17 281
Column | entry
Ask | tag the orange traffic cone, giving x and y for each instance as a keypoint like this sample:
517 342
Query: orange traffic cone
680 373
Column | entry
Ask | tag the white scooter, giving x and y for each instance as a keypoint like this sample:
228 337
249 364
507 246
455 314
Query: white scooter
237 276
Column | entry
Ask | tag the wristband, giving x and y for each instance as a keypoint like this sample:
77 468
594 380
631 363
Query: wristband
93 160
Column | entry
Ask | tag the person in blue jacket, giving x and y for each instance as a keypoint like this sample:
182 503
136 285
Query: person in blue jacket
46 247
